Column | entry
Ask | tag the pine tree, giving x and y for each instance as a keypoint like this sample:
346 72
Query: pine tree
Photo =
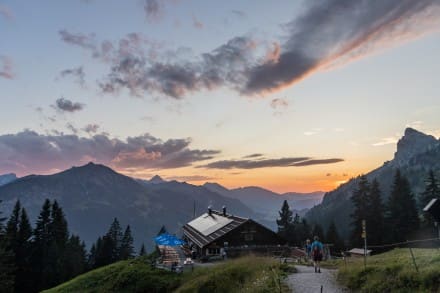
332 237
115 235
432 190
23 279
40 254
360 201
285 222
375 215
12 228
162 230
75 257
402 215
6 262
91 260
143 251
127 250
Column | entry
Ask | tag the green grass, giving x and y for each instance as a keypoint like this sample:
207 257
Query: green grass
248 274
393 271
125 276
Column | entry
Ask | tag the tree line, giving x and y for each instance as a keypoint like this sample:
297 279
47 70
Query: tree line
34 259
395 220
398 219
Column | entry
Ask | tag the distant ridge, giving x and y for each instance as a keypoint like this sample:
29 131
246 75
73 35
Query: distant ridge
416 154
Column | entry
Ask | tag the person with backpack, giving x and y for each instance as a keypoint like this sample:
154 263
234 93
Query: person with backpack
317 250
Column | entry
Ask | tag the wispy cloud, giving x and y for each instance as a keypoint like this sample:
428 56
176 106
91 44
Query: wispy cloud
191 178
6 12
91 128
66 105
6 67
77 73
153 10
29 152
353 29
265 163
387 140
197 23
313 131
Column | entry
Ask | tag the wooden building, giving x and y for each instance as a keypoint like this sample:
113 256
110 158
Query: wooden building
214 232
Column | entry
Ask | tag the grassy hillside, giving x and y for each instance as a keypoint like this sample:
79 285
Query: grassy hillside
394 271
249 274
125 276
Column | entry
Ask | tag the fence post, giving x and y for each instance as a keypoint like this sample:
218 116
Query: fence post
413 259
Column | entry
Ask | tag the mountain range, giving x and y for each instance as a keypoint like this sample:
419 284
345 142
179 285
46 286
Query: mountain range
417 153
92 195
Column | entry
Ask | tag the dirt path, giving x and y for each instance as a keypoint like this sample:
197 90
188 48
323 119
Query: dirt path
306 280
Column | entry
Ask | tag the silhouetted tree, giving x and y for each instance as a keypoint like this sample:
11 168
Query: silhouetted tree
23 277
162 230
285 223
75 257
143 251
360 199
6 261
115 235
127 250
375 215
332 237
401 216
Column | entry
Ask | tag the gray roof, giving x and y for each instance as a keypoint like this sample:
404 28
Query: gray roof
208 228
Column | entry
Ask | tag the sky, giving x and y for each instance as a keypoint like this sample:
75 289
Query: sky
286 95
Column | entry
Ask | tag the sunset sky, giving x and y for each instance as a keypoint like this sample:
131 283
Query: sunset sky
287 95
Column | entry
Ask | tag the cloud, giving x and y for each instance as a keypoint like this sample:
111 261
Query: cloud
153 10
6 67
265 163
91 128
326 35
190 178
29 152
72 128
387 140
197 23
330 33
238 13
78 73
65 105
312 131
253 156
6 12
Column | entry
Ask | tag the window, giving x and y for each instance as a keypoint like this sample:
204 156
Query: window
248 237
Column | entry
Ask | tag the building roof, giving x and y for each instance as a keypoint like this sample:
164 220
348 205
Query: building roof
209 227
359 251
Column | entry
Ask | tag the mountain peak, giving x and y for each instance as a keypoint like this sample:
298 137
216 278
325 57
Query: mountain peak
413 142
156 179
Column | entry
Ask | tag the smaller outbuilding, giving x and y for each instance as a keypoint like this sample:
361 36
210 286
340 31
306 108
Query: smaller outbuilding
358 252
214 232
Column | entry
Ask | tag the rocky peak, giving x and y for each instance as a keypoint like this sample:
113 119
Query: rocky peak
412 143
7 178
156 179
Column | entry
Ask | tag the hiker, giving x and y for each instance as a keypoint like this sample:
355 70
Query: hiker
317 249
308 248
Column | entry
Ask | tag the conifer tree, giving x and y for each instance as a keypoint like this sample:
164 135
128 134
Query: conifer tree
143 251
360 201
75 257
91 260
285 222
432 190
42 242
23 279
332 237
402 215
114 239
6 261
162 230
127 250
12 228
375 215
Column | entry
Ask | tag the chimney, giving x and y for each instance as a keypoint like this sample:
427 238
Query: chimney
209 210
224 211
